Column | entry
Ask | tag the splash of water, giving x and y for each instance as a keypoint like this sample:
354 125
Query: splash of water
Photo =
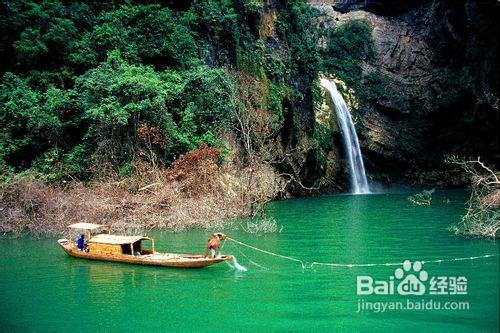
235 265
357 173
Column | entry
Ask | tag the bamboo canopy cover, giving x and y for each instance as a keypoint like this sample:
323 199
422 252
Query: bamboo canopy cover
86 226
116 239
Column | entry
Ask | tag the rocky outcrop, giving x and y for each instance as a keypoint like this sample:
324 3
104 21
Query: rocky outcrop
430 90
382 7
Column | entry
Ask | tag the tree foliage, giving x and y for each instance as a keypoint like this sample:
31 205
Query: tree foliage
348 46
96 84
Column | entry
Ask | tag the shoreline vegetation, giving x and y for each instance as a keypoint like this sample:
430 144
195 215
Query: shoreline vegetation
195 191
199 190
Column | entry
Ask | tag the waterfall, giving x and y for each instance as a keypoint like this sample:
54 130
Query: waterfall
357 173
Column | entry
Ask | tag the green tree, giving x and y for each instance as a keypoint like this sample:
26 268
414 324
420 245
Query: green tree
349 46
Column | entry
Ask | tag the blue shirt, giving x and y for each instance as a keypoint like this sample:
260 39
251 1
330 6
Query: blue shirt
79 244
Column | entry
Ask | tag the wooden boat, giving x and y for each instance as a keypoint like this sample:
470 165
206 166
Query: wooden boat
129 249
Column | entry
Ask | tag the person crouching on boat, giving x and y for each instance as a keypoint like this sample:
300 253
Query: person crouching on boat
81 244
213 245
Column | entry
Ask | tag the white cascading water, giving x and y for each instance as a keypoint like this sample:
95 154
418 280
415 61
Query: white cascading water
359 182
236 265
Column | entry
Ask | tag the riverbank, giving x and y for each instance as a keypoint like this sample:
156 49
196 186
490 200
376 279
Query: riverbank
196 191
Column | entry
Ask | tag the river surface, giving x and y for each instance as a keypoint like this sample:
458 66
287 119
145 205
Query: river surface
43 289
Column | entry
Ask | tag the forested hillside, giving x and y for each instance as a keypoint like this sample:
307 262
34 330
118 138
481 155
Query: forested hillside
87 85
99 100
217 105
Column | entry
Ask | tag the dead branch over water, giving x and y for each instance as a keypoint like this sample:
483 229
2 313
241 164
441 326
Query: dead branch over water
482 218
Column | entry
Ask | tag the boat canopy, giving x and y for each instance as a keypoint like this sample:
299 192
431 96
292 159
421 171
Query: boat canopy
87 226
116 239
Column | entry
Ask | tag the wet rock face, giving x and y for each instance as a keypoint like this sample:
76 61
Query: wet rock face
432 88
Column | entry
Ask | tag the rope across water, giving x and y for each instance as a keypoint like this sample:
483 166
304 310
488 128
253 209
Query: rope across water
304 264
400 263
268 252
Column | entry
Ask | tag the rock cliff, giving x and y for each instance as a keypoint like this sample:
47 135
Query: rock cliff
430 90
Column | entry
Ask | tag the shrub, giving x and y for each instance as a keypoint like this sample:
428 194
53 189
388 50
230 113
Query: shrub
196 171
348 46
262 225
423 198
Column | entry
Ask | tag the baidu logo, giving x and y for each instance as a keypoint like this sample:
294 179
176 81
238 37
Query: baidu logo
413 278
409 280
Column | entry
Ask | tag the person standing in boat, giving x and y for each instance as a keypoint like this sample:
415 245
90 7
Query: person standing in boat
213 245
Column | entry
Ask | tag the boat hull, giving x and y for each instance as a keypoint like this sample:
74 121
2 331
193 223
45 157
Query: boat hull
156 259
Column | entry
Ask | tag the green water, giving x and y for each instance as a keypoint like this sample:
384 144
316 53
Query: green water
43 289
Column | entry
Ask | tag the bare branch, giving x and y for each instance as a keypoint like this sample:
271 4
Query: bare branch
482 217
